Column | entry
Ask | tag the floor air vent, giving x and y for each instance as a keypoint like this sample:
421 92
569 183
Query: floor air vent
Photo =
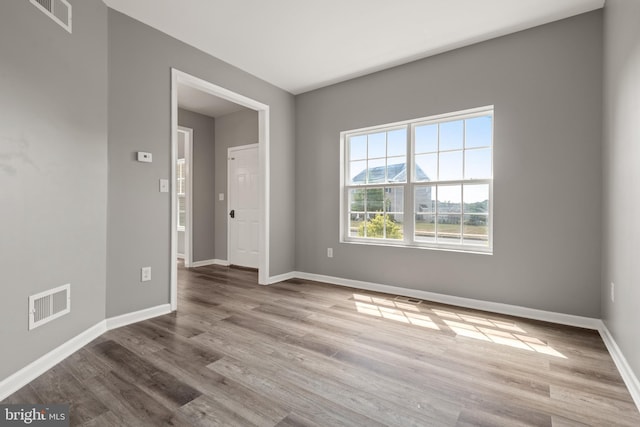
408 299
58 10
49 305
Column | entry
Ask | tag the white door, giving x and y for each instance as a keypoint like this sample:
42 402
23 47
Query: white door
243 212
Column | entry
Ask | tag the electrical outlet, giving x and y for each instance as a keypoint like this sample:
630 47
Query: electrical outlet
329 252
145 274
613 292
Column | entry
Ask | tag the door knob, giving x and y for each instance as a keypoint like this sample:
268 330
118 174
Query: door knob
232 214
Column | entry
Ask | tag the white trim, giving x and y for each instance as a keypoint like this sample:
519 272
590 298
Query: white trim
137 316
494 307
16 381
188 228
283 277
202 263
173 276
264 197
629 377
33 370
179 77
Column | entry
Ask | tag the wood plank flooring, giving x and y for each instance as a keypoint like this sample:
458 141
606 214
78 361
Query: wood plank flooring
303 353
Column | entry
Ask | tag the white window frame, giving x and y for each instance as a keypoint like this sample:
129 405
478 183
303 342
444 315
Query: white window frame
410 185
181 164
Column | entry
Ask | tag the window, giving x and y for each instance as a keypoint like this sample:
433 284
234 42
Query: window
181 193
423 183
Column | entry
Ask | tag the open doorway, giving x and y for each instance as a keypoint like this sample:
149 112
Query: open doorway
183 193
183 83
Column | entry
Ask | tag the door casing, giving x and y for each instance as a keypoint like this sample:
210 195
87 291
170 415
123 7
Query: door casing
180 77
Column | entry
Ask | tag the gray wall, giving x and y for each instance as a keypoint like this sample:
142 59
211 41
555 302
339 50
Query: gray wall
545 84
240 128
140 61
53 172
622 176
204 174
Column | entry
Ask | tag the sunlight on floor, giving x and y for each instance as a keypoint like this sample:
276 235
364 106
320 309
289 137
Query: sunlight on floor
480 328
394 310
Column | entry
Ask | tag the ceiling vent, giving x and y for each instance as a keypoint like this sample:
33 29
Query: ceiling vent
49 305
58 10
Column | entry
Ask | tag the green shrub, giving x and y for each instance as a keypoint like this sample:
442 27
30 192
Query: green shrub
375 228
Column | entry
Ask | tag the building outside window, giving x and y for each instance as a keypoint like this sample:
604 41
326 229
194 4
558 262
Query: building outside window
421 183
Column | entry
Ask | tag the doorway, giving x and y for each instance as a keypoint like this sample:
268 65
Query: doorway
184 196
181 79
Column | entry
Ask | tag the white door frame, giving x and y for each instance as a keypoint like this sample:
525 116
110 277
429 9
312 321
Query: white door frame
229 151
188 226
178 76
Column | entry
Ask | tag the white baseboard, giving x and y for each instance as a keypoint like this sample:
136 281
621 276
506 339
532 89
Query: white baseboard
494 307
222 262
137 316
282 277
33 370
24 376
30 372
629 377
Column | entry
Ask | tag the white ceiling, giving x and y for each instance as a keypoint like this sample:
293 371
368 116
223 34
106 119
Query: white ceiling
300 45
193 99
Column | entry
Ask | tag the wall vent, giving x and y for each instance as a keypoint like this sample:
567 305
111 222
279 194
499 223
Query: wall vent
49 305
58 10
408 299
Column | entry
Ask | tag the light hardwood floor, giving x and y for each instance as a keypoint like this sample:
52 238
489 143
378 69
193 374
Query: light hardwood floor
303 353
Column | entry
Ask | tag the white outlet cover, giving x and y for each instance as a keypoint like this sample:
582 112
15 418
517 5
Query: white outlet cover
145 274
164 185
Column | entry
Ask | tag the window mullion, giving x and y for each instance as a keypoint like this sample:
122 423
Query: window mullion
376 184
409 215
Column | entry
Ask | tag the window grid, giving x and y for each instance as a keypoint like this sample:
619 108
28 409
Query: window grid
181 193
464 223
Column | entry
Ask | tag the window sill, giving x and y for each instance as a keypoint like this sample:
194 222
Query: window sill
443 248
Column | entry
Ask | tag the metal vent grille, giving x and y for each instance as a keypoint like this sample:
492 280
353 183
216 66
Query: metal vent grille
408 299
49 305
58 10
46 4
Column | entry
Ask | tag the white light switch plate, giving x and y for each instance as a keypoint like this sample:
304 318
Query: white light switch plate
221 196
164 185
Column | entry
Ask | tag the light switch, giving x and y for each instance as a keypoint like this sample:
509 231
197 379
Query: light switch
164 185
221 196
